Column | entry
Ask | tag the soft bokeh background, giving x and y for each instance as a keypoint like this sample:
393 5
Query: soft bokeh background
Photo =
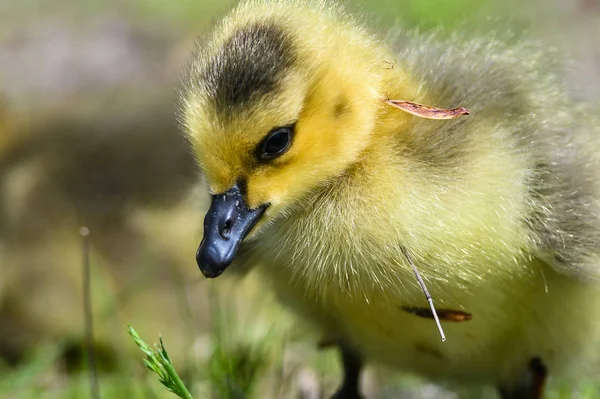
88 137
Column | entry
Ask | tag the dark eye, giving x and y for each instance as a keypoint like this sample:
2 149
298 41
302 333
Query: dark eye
277 142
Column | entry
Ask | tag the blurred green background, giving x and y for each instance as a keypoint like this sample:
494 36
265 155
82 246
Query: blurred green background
88 138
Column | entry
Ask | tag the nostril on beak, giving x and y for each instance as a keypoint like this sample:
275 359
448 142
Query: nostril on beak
225 229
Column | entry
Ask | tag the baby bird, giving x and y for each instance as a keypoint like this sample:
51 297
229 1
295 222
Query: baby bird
320 179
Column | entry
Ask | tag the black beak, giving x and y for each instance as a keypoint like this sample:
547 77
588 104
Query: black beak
226 224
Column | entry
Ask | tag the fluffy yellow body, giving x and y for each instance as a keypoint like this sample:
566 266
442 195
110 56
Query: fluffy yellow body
363 180
346 274
339 262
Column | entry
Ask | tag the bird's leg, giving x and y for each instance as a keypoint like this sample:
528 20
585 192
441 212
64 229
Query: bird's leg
532 387
352 365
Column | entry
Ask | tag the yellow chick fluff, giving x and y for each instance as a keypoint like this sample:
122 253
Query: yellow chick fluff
329 189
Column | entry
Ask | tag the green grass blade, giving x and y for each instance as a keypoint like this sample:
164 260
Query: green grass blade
158 361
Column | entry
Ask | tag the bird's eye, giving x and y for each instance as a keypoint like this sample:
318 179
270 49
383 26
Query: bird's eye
277 142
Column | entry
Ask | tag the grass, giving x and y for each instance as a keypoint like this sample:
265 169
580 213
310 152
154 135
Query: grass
36 379
157 360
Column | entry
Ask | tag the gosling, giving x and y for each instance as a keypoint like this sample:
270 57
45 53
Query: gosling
295 112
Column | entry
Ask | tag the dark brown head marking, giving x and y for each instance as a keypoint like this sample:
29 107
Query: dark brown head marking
247 66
